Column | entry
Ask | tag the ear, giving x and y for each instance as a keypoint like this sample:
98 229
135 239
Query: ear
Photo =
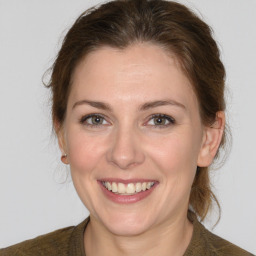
61 141
211 140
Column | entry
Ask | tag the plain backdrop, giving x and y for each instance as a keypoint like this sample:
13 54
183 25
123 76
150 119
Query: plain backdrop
36 194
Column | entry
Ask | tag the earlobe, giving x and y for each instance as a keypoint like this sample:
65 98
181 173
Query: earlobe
62 146
61 142
64 159
211 140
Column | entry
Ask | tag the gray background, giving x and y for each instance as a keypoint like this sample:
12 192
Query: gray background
36 195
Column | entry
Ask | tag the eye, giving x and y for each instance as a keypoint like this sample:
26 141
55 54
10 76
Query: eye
93 120
161 121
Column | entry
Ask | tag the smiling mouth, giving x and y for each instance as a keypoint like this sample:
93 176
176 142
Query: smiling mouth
127 189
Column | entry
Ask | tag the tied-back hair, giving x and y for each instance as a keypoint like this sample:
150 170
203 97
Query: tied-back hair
171 26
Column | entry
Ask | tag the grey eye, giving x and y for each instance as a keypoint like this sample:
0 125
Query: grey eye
93 120
96 120
160 120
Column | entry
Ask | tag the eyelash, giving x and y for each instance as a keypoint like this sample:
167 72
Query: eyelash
85 118
170 119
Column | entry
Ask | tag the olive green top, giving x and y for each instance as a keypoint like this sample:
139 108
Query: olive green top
69 242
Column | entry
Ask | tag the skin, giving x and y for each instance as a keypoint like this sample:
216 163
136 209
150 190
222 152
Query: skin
130 145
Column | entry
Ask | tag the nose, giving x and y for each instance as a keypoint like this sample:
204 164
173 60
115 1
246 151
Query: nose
125 150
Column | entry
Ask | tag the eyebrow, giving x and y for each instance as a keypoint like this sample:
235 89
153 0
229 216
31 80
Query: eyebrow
143 107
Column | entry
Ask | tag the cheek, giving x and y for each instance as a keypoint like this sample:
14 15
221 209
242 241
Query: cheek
175 155
85 152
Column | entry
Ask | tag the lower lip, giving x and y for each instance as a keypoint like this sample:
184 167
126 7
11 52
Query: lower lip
126 199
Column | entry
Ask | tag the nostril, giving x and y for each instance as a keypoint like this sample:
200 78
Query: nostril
125 160
124 150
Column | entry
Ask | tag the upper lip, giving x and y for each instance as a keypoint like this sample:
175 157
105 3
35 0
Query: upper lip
126 181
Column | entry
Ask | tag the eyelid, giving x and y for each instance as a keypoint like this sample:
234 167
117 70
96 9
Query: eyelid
84 118
170 119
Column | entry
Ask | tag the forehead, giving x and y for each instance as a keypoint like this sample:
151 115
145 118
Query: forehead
138 72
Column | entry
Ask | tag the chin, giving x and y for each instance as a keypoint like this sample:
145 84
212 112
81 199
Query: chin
127 224
127 229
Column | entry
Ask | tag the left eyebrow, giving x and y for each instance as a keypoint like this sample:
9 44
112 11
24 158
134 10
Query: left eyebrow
143 107
158 103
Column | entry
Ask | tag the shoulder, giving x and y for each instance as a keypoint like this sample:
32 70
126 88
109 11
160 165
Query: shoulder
42 245
204 241
220 246
58 242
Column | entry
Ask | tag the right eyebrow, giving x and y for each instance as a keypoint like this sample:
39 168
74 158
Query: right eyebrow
95 104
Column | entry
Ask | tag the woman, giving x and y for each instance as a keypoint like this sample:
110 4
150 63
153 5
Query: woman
139 112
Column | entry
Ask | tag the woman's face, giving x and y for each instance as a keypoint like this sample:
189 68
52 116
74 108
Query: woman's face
132 124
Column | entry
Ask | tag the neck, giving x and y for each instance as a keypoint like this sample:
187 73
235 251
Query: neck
165 239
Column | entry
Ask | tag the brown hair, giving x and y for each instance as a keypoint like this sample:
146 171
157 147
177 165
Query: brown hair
170 25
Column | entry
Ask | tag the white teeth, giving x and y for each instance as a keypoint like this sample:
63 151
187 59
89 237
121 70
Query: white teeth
150 184
138 187
121 188
108 185
130 188
114 187
127 189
